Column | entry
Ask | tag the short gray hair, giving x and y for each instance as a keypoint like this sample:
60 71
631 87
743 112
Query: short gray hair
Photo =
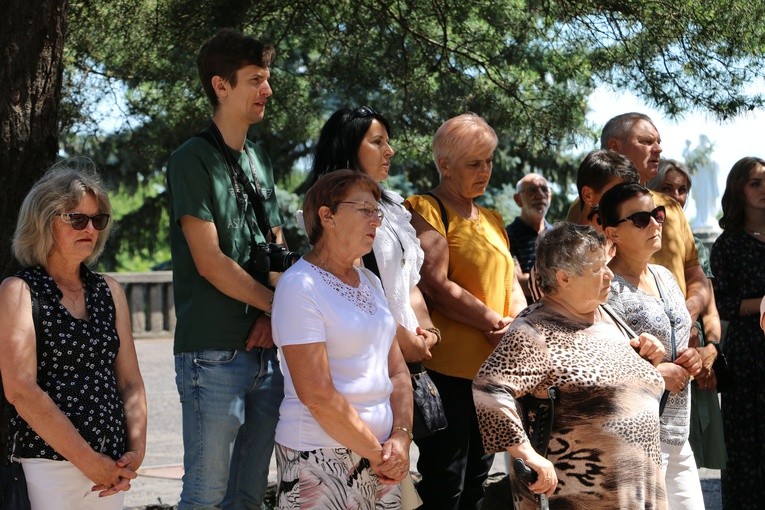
59 190
563 248
619 127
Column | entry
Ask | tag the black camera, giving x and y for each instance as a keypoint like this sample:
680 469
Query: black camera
273 257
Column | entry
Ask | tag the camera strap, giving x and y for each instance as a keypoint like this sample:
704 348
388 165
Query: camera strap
242 184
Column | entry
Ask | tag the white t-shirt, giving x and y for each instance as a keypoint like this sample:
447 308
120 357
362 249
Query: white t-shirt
311 305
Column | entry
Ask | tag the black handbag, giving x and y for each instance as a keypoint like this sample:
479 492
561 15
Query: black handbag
13 483
429 416
13 486
722 372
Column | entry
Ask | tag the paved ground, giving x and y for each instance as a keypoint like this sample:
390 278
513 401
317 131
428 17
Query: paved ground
159 480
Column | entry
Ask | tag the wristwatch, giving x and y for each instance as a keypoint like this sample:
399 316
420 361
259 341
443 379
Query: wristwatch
405 431
717 347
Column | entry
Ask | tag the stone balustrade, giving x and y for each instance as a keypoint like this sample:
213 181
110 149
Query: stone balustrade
150 297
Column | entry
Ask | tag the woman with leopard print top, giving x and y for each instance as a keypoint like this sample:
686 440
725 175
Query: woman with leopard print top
603 450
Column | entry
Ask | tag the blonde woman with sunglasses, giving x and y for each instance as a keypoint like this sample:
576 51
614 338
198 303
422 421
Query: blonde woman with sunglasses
648 297
70 369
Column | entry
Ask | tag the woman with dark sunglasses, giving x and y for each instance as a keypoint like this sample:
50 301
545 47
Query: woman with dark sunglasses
69 365
649 298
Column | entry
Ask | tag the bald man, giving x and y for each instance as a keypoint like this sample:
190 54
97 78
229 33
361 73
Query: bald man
533 195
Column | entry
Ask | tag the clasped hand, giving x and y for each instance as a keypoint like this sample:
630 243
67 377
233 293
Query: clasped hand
393 464
649 348
678 374
112 476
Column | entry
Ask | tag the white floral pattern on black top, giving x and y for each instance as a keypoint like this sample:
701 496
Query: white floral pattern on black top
75 367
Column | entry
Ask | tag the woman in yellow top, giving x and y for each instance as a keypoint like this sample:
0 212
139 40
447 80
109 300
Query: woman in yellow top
469 282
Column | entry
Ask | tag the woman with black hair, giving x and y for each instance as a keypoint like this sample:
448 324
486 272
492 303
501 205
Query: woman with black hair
649 298
738 263
359 140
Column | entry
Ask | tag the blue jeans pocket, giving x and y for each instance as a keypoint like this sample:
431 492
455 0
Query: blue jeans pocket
214 357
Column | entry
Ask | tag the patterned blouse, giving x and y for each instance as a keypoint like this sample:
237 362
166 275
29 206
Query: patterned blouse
75 367
645 313
605 434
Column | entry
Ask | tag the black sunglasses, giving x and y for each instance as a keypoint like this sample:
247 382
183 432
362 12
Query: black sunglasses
365 111
643 218
79 221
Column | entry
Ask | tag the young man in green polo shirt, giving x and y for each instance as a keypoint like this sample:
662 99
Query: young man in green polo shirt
227 371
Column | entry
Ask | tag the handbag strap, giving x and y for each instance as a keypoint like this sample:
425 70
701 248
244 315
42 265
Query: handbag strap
442 208
673 346
620 323
10 447
665 301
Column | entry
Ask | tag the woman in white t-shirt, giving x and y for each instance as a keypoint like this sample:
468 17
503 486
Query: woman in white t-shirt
345 423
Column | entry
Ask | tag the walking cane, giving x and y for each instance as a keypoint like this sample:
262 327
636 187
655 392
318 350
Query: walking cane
538 415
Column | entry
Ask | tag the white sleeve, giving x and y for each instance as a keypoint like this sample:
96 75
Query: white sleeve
296 316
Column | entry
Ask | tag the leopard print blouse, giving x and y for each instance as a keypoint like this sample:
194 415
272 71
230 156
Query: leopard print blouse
605 438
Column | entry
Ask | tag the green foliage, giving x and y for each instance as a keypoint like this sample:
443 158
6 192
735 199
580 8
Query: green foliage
140 240
528 67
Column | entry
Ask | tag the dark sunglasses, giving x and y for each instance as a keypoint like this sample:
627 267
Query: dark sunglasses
365 111
643 218
79 221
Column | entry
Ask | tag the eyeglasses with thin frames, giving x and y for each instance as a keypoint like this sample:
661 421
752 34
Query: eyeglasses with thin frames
641 219
369 210
79 221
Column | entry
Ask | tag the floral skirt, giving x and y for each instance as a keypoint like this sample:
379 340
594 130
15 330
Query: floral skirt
331 479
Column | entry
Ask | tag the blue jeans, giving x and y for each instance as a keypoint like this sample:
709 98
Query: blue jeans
230 405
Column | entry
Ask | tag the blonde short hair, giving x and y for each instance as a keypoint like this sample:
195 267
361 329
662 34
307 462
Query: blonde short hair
59 190
461 133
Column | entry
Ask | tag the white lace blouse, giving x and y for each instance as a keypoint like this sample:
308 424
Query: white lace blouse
399 259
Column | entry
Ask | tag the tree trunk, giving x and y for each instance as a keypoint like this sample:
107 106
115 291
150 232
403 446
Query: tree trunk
31 49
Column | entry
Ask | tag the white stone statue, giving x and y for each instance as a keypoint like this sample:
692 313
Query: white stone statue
705 192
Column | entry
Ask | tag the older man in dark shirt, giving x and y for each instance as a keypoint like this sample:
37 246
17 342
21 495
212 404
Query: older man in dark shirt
532 194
